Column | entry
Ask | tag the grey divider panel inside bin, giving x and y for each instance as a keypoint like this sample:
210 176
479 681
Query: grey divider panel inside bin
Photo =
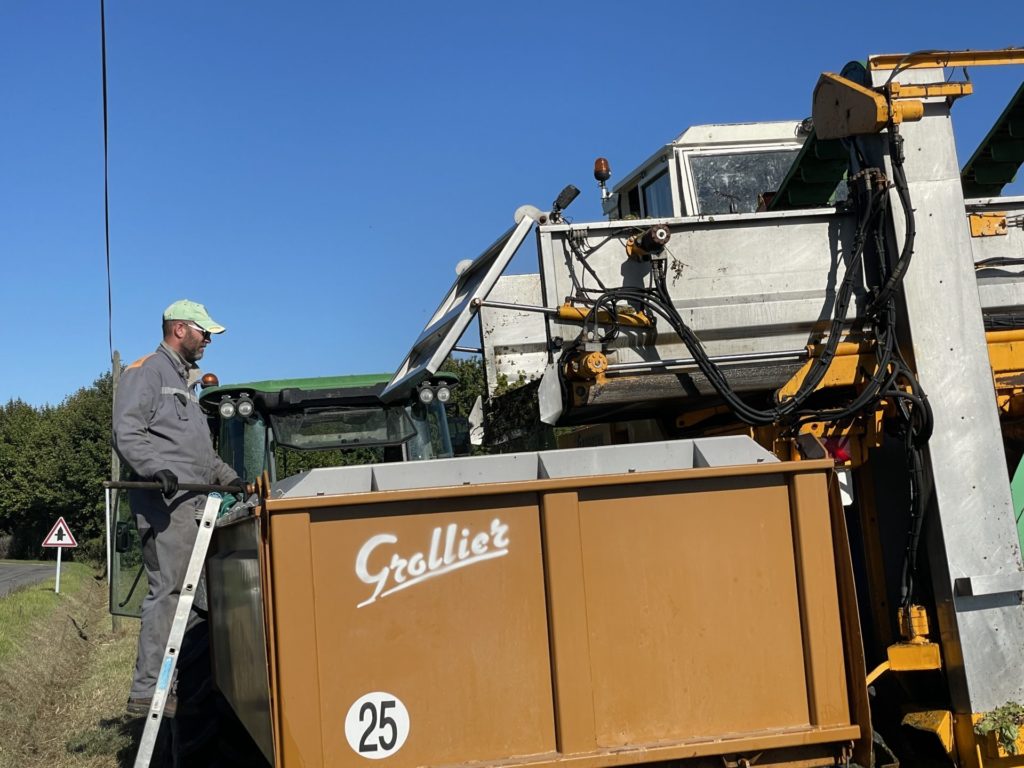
469 470
515 467
617 459
325 482
729 451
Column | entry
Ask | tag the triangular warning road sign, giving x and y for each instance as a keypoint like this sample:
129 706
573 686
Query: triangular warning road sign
60 536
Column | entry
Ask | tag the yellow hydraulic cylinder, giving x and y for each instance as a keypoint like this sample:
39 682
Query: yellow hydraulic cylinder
624 317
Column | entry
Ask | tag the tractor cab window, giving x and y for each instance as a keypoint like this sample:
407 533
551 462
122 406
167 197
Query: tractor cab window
242 444
657 195
432 439
730 182
332 427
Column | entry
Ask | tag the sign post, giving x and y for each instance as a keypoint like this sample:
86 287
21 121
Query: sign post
59 537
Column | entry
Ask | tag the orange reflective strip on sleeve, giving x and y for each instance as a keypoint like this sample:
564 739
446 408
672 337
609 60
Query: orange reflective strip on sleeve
139 362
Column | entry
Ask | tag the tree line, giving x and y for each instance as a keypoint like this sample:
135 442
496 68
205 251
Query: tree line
53 461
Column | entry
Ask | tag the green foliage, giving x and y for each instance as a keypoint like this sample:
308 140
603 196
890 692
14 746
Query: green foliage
1005 723
504 385
513 421
290 462
92 551
511 416
53 461
471 383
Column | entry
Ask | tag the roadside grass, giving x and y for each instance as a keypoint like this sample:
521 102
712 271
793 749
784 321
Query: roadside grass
25 607
64 677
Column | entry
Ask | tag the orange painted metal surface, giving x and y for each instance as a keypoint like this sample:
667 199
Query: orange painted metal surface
596 621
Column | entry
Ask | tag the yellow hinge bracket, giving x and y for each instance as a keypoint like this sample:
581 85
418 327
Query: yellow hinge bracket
842 108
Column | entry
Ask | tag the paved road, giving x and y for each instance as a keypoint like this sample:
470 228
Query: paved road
14 574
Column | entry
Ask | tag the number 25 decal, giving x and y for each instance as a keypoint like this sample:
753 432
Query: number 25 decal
377 725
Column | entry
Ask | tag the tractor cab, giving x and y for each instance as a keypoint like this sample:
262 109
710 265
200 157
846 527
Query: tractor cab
286 426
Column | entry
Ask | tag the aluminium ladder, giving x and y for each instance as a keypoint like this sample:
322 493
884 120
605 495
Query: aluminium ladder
188 593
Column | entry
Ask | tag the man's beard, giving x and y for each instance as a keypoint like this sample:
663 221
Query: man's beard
192 352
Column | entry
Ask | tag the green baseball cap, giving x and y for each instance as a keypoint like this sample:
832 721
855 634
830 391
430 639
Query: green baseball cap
193 312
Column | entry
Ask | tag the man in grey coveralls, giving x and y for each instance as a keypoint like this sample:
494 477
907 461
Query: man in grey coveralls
161 434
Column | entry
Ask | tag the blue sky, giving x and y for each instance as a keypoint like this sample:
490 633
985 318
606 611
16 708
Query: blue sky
313 171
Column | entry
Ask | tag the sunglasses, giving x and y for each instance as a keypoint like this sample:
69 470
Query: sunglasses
206 334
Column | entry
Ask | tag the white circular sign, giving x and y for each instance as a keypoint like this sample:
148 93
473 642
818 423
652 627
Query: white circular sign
377 725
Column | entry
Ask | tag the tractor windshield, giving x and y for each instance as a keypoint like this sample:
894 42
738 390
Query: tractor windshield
322 428
731 182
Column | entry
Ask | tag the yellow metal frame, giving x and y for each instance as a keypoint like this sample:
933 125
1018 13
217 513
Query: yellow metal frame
914 657
930 90
914 623
852 367
853 364
977 751
916 653
1006 356
844 108
933 59
937 721
987 224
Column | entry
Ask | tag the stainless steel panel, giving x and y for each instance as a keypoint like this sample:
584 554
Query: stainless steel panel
238 635
747 283
617 459
515 343
501 468
977 537
744 282
729 451
329 480
732 450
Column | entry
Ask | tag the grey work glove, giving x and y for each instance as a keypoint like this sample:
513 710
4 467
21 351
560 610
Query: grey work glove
168 482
